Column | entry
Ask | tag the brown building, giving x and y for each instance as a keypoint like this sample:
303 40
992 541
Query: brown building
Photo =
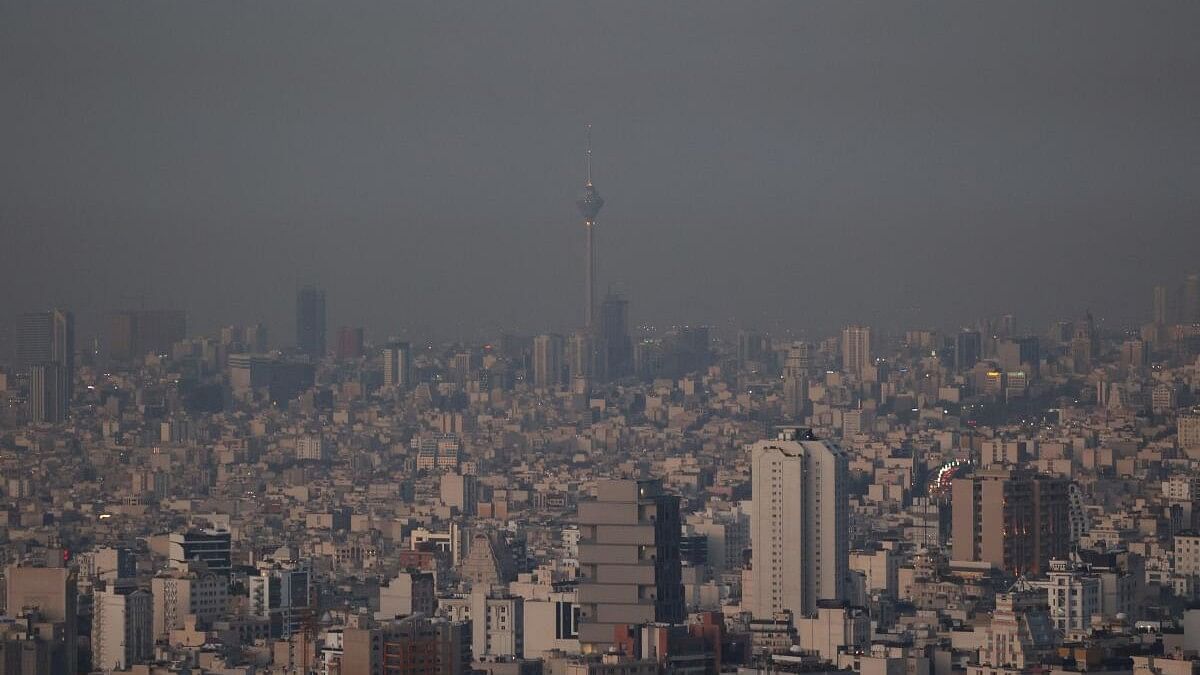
50 593
412 646
134 333
1015 520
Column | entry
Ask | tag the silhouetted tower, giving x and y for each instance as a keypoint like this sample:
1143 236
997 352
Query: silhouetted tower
614 336
310 321
589 206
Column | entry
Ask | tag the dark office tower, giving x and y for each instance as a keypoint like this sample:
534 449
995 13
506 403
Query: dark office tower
589 207
256 338
397 365
310 321
1191 299
1160 305
751 347
614 337
1020 354
48 387
795 381
349 343
210 546
160 329
967 345
48 337
629 561
134 333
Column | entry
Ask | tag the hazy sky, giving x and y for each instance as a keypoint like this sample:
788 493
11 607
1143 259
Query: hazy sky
791 163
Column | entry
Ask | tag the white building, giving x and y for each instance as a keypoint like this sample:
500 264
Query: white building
799 527
497 622
1073 594
407 594
121 629
194 590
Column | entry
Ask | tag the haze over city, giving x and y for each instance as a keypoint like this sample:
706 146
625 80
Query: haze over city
609 338
803 165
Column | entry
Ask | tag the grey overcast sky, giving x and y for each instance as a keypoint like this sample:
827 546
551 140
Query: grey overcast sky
764 163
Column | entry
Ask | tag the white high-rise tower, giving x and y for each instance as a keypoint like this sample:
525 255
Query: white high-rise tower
800 522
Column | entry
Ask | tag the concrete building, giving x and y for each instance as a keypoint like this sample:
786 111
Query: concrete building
799 526
407 594
412 646
397 365
192 591
460 492
547 361
122 633
281 592
210 546
1012 519
629 561
856 350
51 593
551 624
1073 594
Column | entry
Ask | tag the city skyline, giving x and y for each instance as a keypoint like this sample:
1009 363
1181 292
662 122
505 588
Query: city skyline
884 358
1053 152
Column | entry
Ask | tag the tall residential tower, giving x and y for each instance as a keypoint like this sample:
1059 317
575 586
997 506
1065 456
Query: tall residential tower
799 530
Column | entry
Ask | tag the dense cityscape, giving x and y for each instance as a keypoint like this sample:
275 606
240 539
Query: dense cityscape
996 500
867 343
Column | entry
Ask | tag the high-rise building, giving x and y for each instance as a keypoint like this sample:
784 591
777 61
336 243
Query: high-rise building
547 361
52 592
856 350
614 337
968 345
800 523
397 365
629 564
1191 299
349 343
752 347
310 321
1017 354
281 592
589 207
48 398
48 337
122 628
795 381
580 355
1085 345
135 333
1015 520
1160 305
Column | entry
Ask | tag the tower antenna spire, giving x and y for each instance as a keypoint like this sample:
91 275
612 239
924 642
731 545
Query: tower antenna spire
589 154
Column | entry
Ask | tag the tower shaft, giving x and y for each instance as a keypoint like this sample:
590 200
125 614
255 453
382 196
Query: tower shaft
590 276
